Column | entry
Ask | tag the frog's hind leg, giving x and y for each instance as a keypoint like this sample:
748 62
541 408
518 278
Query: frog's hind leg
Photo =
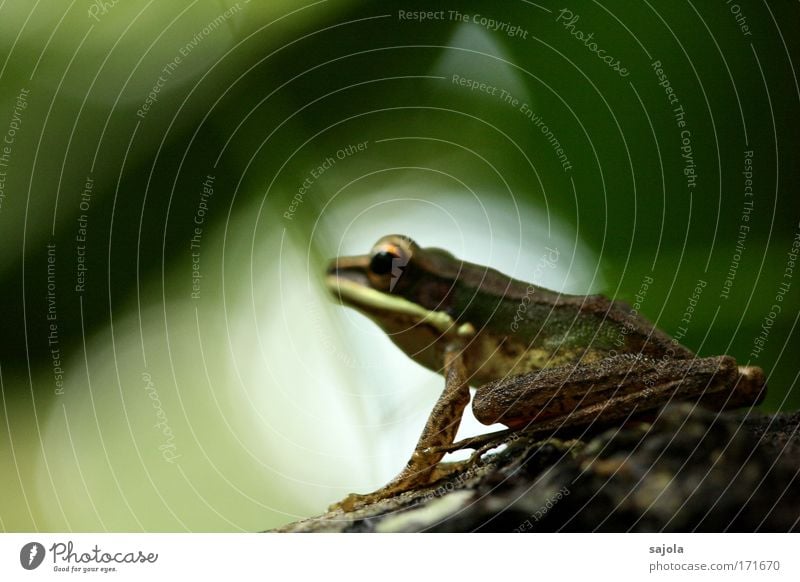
614 389
439 432
748 389
573 397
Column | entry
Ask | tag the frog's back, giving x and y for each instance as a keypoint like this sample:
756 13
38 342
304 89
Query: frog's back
634 332
548 329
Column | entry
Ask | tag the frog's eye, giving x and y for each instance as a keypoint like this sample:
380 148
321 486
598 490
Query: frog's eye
381 262
388 261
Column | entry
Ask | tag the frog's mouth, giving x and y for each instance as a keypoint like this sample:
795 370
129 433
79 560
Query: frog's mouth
347 280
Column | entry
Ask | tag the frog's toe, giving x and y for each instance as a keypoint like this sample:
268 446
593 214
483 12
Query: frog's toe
350 503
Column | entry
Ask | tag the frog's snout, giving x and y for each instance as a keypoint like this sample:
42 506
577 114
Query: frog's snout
347 273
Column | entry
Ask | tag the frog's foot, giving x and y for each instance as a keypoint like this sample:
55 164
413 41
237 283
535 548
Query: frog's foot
417 472
447 470
351 503
356 501
480 444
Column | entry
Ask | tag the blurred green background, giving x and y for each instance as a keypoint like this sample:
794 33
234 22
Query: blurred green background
173 176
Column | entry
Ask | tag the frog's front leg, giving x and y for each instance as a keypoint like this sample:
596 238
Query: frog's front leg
614 389
439 433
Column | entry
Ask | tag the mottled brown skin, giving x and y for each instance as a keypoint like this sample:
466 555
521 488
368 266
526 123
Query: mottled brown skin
542 360
626 384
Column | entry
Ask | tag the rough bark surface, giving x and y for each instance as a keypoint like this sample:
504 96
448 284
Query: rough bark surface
688 470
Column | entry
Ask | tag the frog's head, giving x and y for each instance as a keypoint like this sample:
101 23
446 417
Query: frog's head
424 298
399 285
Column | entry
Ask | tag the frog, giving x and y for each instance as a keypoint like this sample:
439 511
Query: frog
540 360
